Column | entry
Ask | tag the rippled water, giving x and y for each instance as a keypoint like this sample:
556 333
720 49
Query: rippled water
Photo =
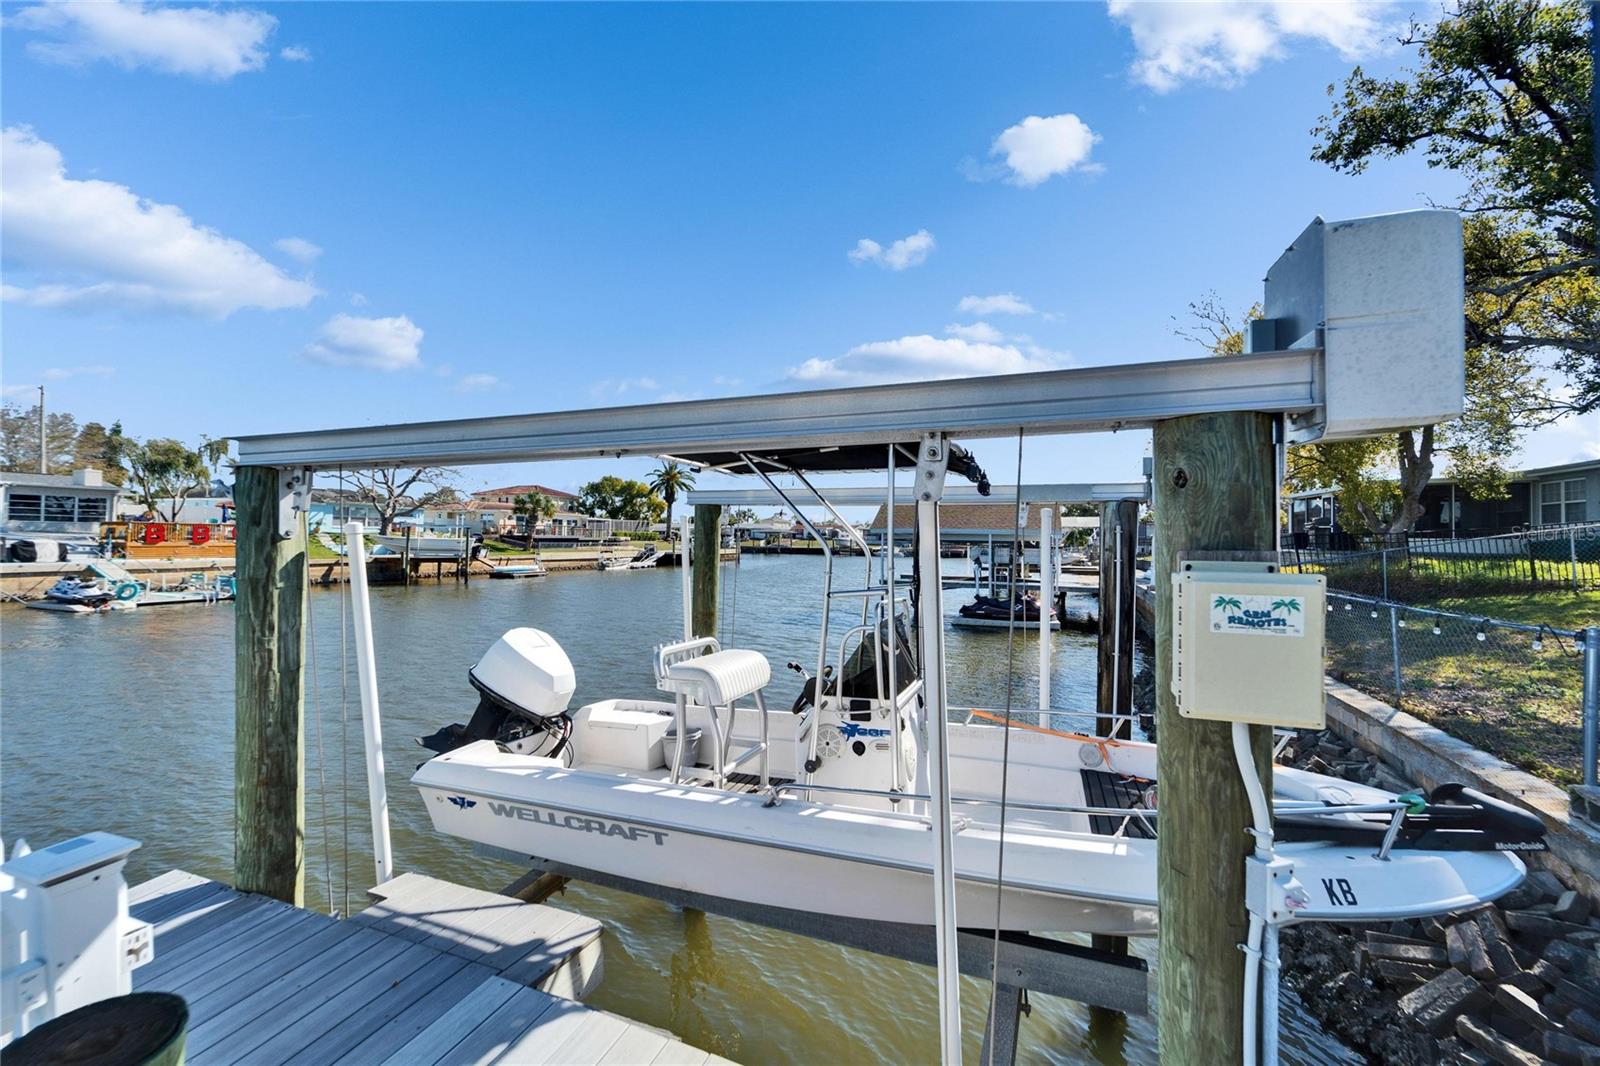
124 722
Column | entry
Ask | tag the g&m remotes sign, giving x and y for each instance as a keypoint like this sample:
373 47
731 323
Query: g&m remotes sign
1282 616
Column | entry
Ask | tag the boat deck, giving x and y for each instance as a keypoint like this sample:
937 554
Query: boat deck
431 972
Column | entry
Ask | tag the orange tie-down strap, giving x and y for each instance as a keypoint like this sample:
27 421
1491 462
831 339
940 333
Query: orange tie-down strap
1103 743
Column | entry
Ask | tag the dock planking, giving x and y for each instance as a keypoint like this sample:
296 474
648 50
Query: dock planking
431 972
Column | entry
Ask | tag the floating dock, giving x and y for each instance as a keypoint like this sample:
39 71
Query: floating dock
431 972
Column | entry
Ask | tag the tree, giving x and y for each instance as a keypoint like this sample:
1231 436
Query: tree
389 489
94 449
740 516
669 479
1502 96
615 497
533 507
19 439
167 471
1381 479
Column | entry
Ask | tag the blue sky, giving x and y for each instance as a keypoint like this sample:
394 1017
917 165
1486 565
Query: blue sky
265 217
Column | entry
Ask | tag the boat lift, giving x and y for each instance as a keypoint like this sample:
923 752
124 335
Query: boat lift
1362 335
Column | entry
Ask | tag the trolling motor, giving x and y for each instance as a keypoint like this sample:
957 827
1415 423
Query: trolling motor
525 682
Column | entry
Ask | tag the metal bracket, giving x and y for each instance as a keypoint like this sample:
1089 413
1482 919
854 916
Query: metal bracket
294 499
933 458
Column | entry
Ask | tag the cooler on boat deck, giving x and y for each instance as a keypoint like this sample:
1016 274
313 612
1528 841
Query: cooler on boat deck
621 733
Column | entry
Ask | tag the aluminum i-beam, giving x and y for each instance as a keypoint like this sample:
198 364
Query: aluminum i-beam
865 495
1057 401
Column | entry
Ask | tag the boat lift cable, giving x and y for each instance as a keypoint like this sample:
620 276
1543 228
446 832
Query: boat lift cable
1005 749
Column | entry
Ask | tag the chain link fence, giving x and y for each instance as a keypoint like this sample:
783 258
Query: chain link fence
1525 693
1412 567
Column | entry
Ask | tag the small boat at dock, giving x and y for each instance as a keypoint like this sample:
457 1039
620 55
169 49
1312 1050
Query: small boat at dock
646 558
105 586
517 570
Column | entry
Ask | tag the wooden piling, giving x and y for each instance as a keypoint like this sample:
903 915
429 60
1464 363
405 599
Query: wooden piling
1119 537
707 568
269 693
1215 489
1119 541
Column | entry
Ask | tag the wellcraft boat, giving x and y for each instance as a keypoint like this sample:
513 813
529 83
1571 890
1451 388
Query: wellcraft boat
774 805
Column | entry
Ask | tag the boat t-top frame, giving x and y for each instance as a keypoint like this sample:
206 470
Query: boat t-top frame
1362 334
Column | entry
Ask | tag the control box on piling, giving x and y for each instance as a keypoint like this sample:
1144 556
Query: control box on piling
1247 644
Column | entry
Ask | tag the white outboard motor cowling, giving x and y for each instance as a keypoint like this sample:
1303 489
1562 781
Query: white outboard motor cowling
524 683
527 673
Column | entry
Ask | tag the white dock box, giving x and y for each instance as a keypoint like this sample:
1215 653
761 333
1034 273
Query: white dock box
1247 645
622 733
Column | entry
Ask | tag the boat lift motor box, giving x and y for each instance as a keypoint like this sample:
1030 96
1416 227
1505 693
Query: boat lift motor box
1247 644
66 939
526 671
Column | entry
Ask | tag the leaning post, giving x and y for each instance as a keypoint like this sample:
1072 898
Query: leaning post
1215 490
706 576
269 684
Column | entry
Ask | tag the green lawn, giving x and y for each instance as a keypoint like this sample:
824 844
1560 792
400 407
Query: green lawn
1560 609
1501 694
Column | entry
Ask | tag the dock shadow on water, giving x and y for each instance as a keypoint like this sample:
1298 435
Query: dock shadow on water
124 722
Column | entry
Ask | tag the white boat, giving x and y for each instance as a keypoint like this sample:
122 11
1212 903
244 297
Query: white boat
829 803
421 546
516 570
646 558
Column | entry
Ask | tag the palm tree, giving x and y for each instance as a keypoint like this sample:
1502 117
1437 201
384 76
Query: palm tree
669 479
534 507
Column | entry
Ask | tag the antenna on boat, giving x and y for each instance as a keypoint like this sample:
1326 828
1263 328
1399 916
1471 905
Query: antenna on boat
367 674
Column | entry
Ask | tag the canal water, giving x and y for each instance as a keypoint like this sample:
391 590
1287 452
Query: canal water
124 722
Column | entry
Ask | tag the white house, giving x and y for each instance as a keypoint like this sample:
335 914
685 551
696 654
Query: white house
59 505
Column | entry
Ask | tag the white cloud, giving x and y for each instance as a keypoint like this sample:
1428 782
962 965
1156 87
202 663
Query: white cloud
1005 303
374 343
906 252
923 358
1037 149
202 42
61 373
358 299
1221 43
613 387
981 332
296 53
96 244
476 383
298 248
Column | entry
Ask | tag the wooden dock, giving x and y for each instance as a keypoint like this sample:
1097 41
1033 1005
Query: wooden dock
432 972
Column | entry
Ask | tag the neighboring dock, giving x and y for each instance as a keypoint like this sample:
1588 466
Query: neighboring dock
431 972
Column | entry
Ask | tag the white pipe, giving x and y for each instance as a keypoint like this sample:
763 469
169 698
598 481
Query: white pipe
1269 997
683 560
1047 599
1252 986
371 726
1261 821
930 608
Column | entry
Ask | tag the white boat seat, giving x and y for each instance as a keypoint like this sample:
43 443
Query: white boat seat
723 676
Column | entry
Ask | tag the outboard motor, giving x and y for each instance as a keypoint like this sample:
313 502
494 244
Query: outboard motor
524 683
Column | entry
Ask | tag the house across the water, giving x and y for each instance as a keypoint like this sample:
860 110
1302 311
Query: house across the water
61 506
1563 495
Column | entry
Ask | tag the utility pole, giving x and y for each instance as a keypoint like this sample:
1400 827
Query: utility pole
1215 490
44 447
